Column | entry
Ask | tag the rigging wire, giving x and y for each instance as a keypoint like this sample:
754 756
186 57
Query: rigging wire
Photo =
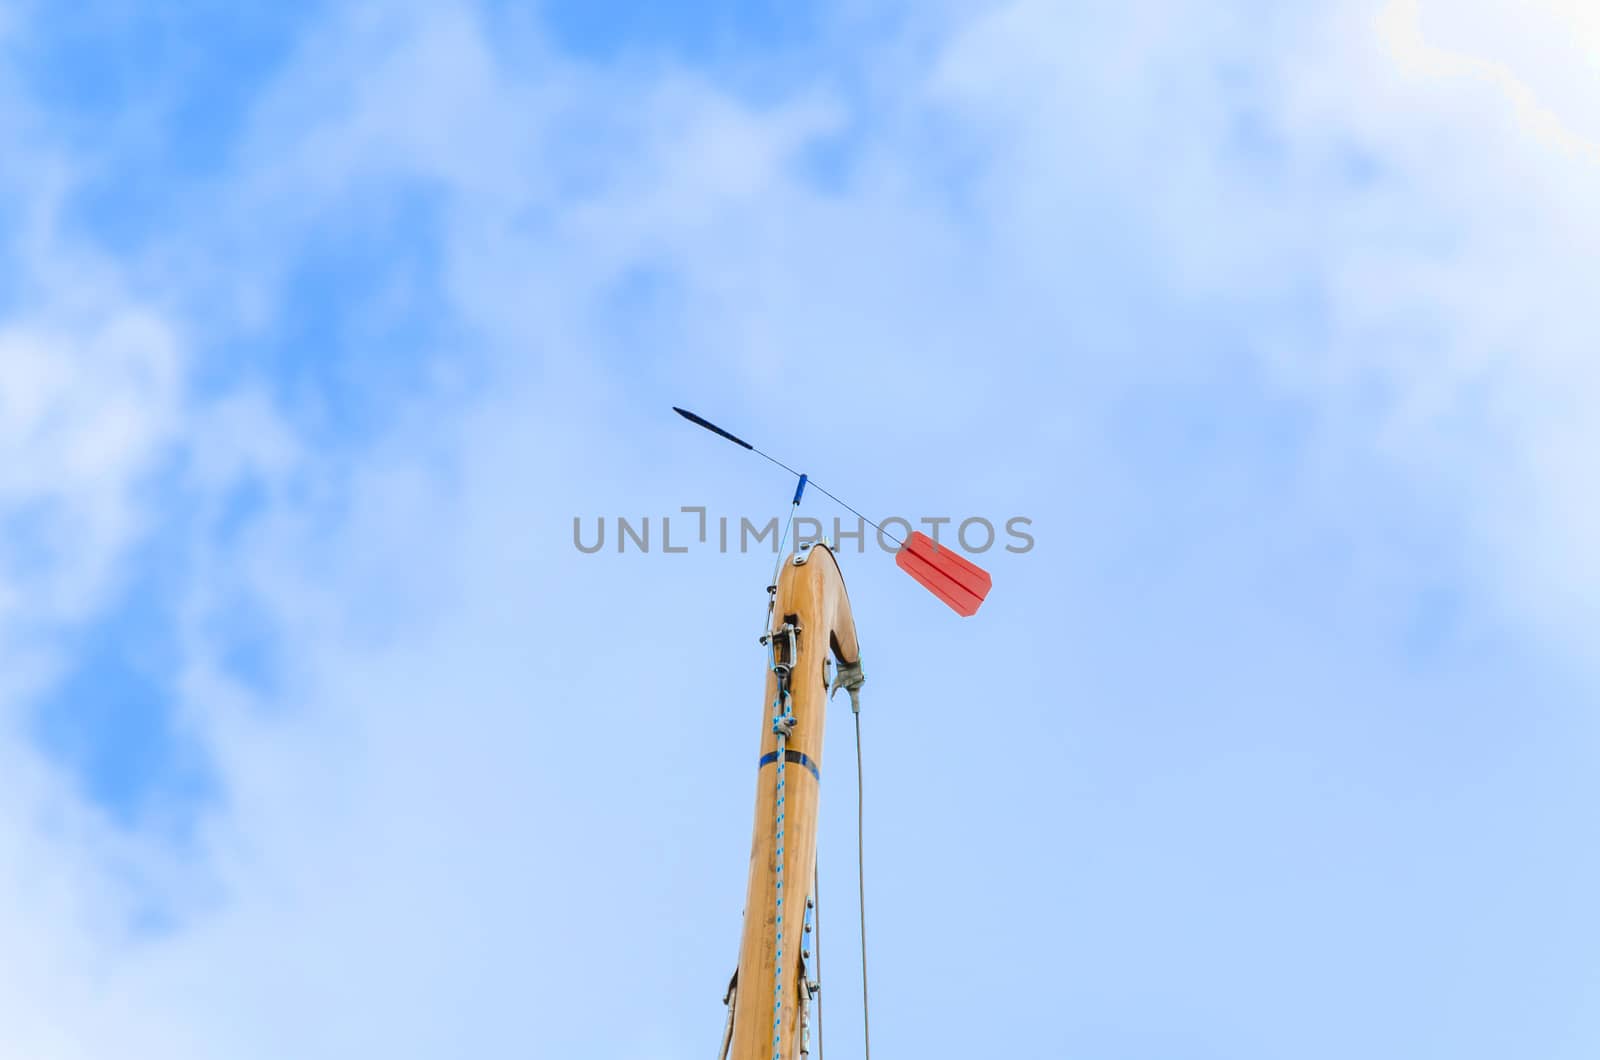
816 941
825 493
861 884
701 421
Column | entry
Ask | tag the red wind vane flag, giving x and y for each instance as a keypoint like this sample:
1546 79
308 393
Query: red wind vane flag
960 583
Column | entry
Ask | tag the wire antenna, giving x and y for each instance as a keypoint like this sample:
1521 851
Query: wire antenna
961 584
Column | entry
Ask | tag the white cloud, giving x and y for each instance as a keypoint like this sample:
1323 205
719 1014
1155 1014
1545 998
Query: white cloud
85 413
1394 201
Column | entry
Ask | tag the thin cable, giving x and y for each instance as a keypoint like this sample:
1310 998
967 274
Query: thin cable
813 483
861 882
816 940
701 421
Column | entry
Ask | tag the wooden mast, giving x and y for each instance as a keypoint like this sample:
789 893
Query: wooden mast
810 595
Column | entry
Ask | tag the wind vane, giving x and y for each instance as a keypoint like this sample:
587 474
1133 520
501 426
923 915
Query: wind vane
960 583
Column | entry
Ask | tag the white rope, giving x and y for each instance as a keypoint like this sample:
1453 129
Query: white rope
861 875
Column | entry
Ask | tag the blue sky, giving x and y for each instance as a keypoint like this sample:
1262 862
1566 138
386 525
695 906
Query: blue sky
320 324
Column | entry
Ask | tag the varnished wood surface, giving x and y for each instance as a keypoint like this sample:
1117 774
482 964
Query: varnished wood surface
814 592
